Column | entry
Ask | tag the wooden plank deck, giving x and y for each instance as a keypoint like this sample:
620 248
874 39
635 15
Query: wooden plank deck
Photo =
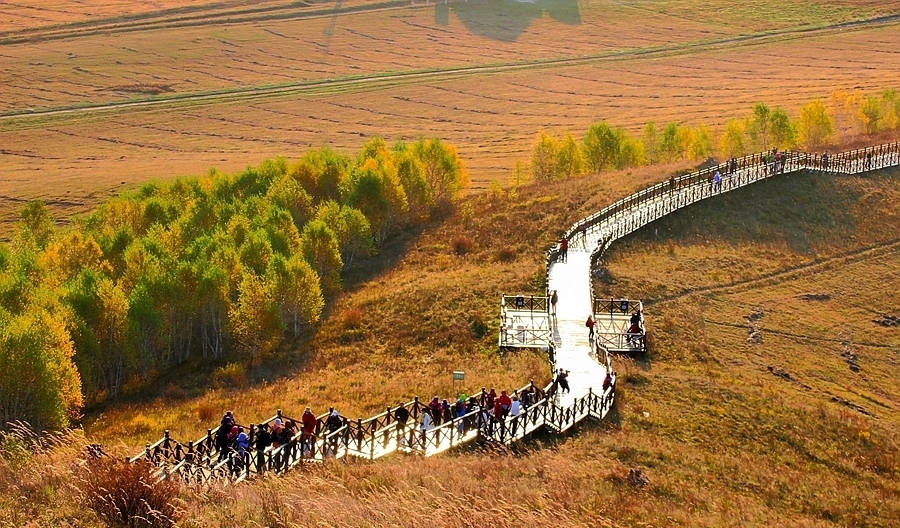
571 280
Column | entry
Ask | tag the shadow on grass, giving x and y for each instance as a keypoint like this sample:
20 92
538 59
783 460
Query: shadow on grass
505 20
799 210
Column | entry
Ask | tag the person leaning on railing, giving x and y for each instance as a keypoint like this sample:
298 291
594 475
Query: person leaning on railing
607 382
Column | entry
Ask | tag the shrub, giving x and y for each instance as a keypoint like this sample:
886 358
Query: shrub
231 375
127 495
506 255
173 392
206 412
141 425
353 318
462 245
479 327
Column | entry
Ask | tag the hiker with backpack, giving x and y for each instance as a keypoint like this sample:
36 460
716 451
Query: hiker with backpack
562 380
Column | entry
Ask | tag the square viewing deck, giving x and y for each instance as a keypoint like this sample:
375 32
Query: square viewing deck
525 322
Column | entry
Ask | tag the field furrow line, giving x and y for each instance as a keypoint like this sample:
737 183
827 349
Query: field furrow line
785 275
382 79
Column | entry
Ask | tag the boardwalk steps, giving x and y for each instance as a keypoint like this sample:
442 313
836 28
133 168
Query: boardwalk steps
381 435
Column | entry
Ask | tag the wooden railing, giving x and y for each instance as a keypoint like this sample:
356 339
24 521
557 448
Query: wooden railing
684 190
524 303
522 336
524 321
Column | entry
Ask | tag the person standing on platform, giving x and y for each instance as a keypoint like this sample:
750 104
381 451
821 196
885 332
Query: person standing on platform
424 426
590 326
553 300
564 249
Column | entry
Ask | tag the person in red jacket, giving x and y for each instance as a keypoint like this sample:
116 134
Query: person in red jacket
505 402
498 410
309 429
435 409
490 399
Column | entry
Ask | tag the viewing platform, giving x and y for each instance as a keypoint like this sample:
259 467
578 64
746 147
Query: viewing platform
525 322
619 326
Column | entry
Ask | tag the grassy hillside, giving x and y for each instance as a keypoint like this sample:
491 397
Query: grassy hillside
730 432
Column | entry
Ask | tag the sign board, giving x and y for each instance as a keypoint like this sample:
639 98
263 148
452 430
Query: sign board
459 375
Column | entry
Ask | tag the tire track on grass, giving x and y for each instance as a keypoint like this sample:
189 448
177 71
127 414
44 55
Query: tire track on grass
780 276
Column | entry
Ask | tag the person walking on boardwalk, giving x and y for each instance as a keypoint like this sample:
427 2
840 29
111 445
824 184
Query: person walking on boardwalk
717 181
261 441
332 424
562 380
564 250
309 429
222 435
590 326
553 300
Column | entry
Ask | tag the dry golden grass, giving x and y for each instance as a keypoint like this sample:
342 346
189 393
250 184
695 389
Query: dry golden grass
723 440
726 442
28 16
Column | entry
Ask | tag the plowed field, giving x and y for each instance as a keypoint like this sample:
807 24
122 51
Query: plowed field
109 94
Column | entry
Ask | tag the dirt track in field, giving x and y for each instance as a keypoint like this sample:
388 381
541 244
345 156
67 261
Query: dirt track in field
316 87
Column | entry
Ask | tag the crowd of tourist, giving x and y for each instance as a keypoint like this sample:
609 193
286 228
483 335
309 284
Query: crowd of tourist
235 444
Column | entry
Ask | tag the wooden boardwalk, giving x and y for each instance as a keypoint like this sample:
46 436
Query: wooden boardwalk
571 280
382 435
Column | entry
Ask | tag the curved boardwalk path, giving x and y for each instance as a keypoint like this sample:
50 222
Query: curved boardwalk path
382 435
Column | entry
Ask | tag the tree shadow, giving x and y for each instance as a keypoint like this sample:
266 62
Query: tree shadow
505 20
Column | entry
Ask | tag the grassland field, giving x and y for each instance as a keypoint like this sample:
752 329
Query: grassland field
730 432
485 76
